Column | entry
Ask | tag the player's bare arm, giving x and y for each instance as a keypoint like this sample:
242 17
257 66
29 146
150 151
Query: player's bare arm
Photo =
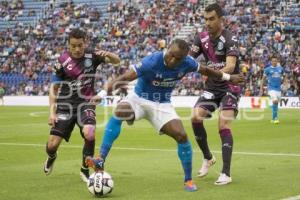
52 102
234 78
121 81
114 85
109 57
230 64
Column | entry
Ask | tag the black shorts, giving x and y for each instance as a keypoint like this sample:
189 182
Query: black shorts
210 102
67 119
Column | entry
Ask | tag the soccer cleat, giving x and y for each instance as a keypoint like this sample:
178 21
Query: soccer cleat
48 165
223 179
276 121
205 166
190 186
96 163
84 174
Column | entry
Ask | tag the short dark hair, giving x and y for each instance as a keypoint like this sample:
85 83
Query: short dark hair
182 44
215 7
77 33
275 56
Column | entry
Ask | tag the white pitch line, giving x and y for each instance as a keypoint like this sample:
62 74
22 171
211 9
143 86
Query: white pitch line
37 114
292 198
161 150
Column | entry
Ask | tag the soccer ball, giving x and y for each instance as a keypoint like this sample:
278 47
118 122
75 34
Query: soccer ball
100 183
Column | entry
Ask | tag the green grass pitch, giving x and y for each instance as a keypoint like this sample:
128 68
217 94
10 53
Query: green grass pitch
144 165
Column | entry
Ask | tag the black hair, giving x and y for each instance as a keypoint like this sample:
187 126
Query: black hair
274 56
182 44
77 33
215 7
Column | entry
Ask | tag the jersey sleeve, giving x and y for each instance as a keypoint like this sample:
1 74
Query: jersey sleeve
196 49
193 65
144 67
266 71
57 73
231 46
97 60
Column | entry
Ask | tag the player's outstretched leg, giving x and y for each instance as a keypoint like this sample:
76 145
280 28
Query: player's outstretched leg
174 129
112 132
88 131
51 150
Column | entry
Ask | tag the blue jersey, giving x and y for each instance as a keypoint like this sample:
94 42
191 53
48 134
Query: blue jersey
155 81
274 75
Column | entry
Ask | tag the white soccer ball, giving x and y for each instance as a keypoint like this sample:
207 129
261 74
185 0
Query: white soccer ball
100 183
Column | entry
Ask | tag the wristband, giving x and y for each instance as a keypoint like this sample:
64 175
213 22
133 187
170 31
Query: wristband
225 77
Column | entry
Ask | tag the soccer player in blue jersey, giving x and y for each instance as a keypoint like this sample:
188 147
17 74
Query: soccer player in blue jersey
71 89
157 75
274 74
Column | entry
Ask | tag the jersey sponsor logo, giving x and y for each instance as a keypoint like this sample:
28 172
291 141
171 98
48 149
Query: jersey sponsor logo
79 84
164 83
218 65
276 74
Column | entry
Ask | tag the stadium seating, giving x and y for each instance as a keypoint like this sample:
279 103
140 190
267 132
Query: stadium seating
37 33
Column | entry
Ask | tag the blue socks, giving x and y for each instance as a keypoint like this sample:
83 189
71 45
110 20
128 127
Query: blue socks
185 153
112 132
274 111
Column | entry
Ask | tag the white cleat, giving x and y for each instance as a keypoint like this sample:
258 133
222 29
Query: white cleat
205 166
48 166
84 174
223 179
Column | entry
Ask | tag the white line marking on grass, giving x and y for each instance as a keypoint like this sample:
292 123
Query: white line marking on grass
292 198
150 149
37 114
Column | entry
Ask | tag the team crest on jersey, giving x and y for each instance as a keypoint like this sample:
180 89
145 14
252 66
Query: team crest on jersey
88 63
220 46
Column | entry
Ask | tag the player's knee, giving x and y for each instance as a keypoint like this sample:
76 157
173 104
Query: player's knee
196 119
52 145
89 132
275 101
181 137
224 125
124 112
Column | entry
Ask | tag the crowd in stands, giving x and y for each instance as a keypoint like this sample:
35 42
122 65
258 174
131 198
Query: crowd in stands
135 28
